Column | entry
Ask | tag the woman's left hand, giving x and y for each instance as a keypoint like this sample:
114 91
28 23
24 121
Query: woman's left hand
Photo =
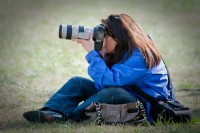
88 45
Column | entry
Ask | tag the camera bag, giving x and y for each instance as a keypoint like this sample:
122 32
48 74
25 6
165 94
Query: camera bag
168 110
130 113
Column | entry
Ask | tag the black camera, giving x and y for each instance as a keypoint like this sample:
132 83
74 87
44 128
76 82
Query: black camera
82 32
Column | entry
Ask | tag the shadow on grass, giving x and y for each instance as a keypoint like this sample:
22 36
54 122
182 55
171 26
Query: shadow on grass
196 113
189 96
26 125
188 92
14 125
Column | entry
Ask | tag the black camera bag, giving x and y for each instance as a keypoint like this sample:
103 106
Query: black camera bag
170 111
166 111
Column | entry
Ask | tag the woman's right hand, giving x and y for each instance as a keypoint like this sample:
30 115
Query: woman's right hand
88 45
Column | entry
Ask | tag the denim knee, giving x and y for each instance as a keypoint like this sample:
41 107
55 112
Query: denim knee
114 90
83 86
79 80
75 79
117 92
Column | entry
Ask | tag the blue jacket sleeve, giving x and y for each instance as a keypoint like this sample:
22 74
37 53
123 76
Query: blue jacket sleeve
125 74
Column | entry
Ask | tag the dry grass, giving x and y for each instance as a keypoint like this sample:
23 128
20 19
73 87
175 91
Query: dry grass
34 63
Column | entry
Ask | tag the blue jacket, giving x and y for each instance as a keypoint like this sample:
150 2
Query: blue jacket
131 72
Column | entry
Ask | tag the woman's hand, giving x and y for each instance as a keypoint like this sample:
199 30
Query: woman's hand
88 45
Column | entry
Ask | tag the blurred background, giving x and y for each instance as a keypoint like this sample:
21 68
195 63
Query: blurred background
34 62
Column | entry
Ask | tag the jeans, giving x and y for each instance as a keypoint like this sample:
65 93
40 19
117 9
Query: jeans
78 89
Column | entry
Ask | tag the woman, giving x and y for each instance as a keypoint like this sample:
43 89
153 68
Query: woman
128 58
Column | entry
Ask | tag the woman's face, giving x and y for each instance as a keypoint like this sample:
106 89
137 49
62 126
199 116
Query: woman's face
108 45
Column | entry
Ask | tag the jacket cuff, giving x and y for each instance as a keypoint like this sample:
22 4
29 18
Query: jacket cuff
90 55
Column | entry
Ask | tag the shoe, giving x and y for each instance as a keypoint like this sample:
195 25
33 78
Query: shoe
43 116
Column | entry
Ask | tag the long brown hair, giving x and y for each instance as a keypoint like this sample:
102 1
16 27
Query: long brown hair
129 35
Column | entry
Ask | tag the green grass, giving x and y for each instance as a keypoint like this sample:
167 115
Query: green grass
35 63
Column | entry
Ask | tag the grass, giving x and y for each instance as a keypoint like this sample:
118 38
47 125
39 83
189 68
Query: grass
34 62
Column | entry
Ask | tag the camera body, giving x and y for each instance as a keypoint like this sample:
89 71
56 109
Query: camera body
82 32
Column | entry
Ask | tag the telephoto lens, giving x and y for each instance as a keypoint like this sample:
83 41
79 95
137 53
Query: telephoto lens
74 32
82 32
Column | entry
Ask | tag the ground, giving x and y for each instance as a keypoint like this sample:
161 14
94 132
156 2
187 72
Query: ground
35 63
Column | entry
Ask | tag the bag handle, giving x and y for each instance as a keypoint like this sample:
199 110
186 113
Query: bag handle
133 105
99 113
171 87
